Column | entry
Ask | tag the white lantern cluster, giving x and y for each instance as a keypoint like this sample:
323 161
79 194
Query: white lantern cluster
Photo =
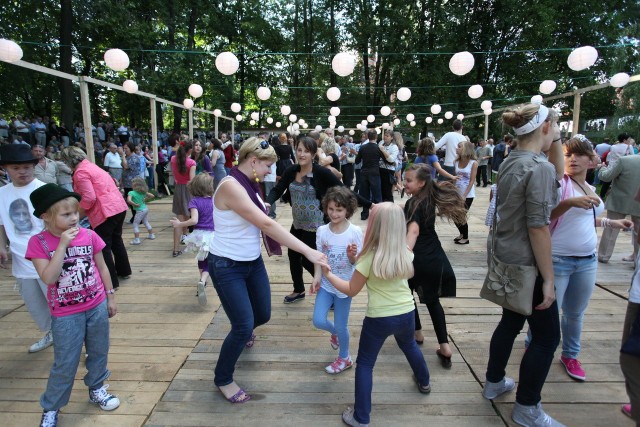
343 64
227 63
547 87
130 86
487 112
460 116
318 128
435 109
263 93
116 59
475 91
385 125
536 99
461 63
252 122
239 117
619 80
278 124
396 122
428 119
335 111
440 121
235 107
255 116
582 58
269 120
188 103
293 118
333 94
352 132
340 129
10 51
385 110
486 105
403 94
410 117
285 110
217 112
448 115
371 118
412 123
378 131
195 90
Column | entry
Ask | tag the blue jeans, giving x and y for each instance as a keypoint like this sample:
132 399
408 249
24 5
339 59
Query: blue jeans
575 279
90 327
375 331
245 294
342 306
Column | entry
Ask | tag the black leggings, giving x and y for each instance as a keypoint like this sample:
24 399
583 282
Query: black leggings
437 318
464 228
297 261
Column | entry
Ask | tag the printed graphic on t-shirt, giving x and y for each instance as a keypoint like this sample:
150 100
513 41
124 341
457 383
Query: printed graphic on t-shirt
78 282
20 216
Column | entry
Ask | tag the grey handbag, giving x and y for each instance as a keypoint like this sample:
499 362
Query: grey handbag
508 285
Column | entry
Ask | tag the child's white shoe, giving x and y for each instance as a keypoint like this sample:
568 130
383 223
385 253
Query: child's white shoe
136 241
339 365
106 401
152 236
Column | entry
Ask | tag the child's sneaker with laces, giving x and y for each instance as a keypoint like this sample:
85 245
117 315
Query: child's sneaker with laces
49 419
339 365
202 294
152 236
573 368
136 241
106 401
493 390
334 342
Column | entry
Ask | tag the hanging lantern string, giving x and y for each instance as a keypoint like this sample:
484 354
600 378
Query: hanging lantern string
205 52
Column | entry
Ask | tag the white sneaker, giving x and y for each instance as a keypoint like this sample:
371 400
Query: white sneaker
136 241
202 295
106 401
533 416
152 236
49 419
45 342
493 390
184 236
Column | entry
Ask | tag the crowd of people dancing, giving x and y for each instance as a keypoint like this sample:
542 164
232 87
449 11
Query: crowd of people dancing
543 212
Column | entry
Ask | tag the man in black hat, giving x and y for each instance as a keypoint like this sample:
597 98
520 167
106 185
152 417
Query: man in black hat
18 224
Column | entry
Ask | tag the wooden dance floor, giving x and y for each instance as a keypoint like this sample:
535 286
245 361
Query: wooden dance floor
164 347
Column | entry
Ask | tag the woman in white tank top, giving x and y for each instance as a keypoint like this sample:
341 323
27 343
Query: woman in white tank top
235 261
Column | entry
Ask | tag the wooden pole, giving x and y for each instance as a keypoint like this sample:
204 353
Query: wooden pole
154 139
86 119
486 127
233 132
576 113
190 123
215 135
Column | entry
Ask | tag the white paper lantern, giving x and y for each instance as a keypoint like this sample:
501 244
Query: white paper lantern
10 51
435 109
296 132
488 112
343 64
364 122
239 117
428 119
396 122
130 86
332 126
335 111
403 94
116 59
195 90
188 103
412 123
269 120
385 125
285 110
340 129
371 118
440 121
333 94
460 116
295 126
332 119
289 129
318 128
461 63
385 111
448 115
582 58
255 116
475 91
263 93
252 122
293 118
536 99
305 125
278 124
352 132
619 80
217 112
235 107
486 105
410 117
547 87
227 63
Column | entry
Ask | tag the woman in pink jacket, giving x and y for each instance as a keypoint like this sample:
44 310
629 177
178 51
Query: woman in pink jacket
104 206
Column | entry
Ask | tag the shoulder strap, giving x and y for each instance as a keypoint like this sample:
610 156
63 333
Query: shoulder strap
43 242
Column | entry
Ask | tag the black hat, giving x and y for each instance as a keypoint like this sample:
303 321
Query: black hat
16 154
46 196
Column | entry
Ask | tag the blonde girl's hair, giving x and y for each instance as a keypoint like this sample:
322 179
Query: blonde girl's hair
518 117
201 185
468 152
53 210
397 138
140 185
328 146
386 238
255 146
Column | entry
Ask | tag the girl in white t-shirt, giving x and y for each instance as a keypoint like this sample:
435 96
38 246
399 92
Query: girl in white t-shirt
466 169
340 241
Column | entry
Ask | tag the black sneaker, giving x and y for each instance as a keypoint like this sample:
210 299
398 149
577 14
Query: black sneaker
289 300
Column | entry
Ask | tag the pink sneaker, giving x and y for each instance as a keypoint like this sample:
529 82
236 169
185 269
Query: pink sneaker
626 409
573 368
339 365
334 342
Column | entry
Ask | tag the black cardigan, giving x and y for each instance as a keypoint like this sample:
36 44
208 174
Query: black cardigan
322 180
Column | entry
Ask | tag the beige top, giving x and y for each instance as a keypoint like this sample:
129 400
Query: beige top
624 176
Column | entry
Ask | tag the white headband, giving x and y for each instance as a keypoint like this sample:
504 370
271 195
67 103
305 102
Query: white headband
534 123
